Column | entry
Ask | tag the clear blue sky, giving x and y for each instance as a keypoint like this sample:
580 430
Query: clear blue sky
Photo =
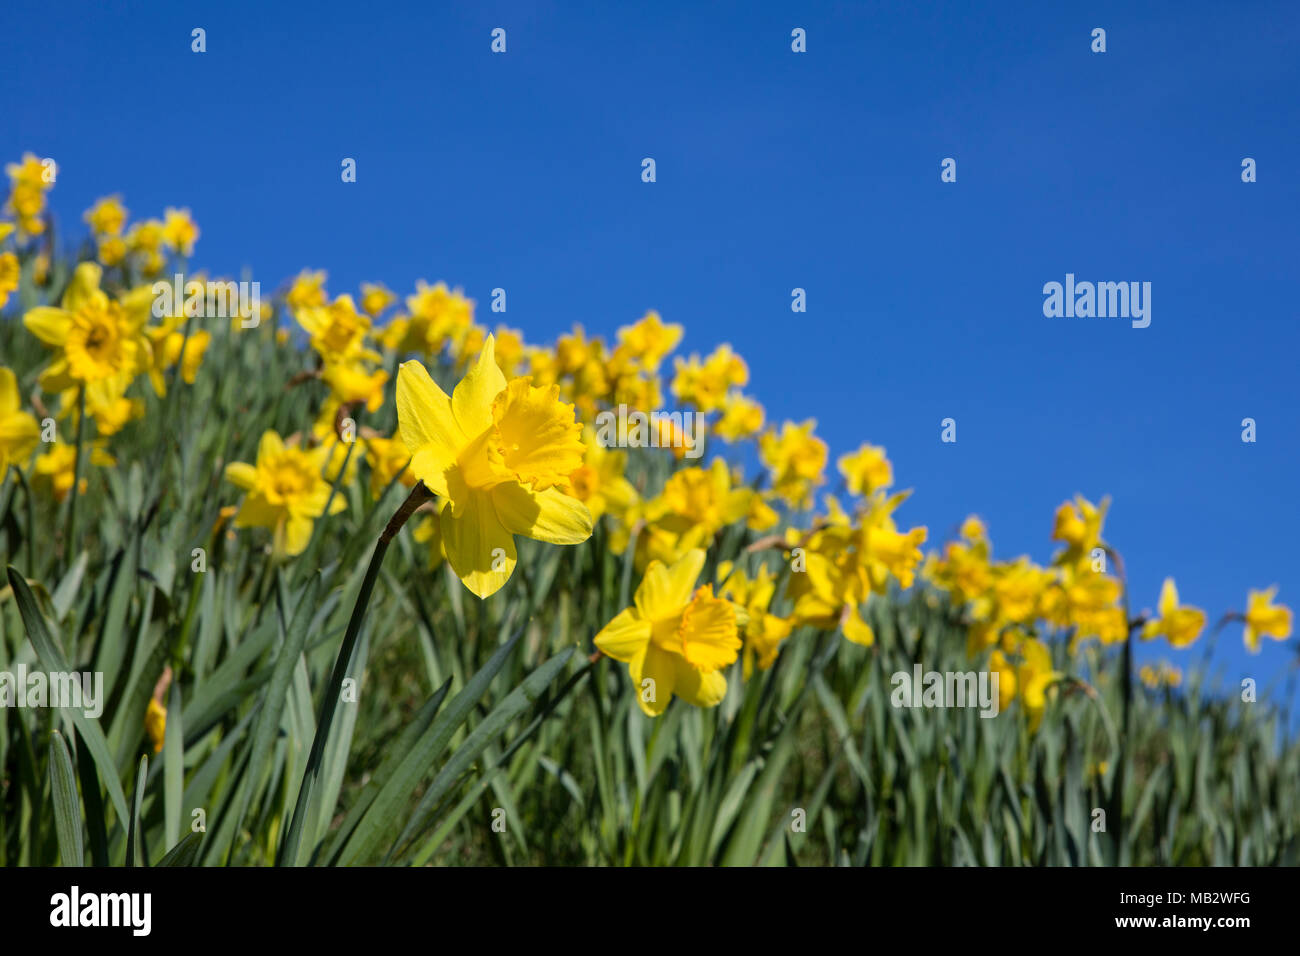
776 170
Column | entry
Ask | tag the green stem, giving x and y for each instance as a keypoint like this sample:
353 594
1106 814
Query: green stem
69 536
289 849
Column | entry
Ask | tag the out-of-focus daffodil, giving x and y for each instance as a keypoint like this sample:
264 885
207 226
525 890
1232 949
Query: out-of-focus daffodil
1264 617
286 492
19 431
1179 625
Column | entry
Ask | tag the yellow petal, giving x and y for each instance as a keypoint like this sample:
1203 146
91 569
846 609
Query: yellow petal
664 591
478 546
269 446
654 675
241 474
625 636
9 400
292 536
858 630
427 426
472 399
698 688
1168 597
48 324
84 286
548 515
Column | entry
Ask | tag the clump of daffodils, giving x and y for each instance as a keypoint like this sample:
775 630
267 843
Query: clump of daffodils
512 452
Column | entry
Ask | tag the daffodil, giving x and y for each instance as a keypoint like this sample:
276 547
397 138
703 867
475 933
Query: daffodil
107 217
144 241
99 342
599 481
706 384
649 340
1079 524
55 470
19 431
500 452
1024 668
1264 617
375 298
742 417
351 383
307 291
796 459
31 180
9 273
763 630
286 492
675 639
866 469
1179 625
387 458
166 341
179 232
338 331
438 316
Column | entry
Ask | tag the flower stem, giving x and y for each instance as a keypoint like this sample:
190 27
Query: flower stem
289 849
71 527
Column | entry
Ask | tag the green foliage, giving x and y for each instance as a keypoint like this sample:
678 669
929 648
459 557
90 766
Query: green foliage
486 731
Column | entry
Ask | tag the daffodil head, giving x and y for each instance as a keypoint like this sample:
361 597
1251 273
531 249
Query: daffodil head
287 491
502 453
1263 617
676 639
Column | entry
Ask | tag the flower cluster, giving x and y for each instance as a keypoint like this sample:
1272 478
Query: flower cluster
513 450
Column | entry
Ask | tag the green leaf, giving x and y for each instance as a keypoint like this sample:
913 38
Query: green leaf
53 659
67 809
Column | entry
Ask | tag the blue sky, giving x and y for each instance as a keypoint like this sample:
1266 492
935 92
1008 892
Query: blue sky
779 170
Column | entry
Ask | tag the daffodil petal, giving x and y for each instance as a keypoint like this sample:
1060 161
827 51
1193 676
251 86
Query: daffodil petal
478 546
48 324
624 637
654 675
427 426
698 688
241 474
9 400
472 399
664 590
549 515
270 445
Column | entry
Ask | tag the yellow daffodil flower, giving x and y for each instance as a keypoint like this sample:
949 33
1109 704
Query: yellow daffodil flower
19 431
1180 625
55 469
98 341
675 639
500 451
866 470
9 275
1264 617
287 492
796 459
